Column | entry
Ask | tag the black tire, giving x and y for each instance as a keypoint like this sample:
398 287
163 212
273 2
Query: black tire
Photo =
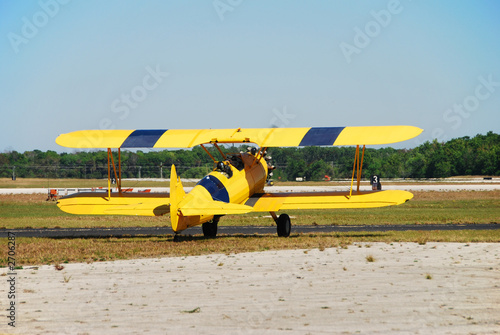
284 225
177 238
210 228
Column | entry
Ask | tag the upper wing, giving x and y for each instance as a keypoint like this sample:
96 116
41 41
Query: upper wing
271 202
263 137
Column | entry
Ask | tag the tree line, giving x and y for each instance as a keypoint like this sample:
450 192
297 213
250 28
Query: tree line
479 155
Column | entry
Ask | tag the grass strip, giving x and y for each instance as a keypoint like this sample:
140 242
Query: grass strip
39 251
32 211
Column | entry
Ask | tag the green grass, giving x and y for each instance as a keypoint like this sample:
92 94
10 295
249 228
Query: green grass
34 212
416 212
24 211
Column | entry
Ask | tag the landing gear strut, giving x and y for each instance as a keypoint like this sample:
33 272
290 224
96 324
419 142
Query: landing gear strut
283 223
210 228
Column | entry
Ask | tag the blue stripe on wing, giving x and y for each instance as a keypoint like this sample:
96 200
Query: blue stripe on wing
143 138
321 136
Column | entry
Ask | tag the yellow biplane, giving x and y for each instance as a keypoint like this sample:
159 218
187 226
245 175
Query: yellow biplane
236 185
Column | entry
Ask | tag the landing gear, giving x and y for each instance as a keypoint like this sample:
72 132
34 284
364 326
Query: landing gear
177 237
284 225
210 228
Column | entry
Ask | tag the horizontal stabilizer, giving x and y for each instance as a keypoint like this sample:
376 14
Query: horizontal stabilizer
196 207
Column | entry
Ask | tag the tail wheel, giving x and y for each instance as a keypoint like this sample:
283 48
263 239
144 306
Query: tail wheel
284 225
210 228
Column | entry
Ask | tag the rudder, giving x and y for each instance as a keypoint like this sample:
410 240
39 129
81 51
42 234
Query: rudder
176 195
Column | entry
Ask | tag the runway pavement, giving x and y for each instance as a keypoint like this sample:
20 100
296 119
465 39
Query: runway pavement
231 230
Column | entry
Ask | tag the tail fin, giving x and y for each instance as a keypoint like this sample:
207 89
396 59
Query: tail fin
176 195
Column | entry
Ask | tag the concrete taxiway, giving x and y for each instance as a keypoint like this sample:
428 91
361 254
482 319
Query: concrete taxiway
439 187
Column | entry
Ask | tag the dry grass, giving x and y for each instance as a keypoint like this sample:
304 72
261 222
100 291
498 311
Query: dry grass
36 251
77 183
23 198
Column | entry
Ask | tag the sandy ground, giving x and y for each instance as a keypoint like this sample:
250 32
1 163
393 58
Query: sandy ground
274 292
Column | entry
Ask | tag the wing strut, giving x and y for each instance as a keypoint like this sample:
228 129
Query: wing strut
201 145
357 168
118 176
222 154
109 176
119 180
260 152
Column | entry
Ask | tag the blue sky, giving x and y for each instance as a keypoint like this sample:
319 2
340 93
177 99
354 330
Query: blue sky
72 65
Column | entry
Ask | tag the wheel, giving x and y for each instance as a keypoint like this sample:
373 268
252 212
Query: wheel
177 237
284 225
210 228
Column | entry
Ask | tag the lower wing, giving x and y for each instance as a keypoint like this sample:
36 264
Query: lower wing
97 203
271 202
158 204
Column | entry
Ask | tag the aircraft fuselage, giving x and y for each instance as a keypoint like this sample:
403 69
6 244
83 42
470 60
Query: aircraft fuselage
233 181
